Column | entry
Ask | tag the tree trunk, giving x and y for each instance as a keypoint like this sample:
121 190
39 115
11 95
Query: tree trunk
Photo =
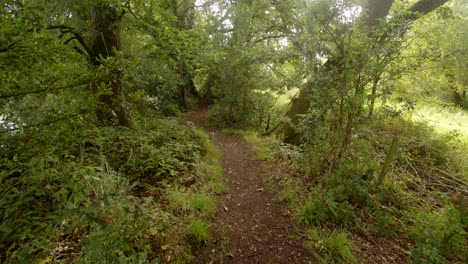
191 85
387 163
373 96
182 87
107 41
187 85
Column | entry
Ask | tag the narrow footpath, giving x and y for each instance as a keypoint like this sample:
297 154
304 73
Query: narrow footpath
250 226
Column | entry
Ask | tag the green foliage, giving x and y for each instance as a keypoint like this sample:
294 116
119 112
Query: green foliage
423 147
440 236
197 230
347 198
389 223
74 198
444 119
290 193
264 147
71 191
108 244
333 247
199 204
323 206
87 192
355 173
246 62
435 63
162 46
211 167
243 99
203 205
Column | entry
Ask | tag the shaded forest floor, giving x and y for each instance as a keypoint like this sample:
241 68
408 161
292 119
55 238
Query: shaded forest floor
250 226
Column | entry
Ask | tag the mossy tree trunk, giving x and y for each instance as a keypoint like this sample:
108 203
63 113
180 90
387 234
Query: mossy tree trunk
106 22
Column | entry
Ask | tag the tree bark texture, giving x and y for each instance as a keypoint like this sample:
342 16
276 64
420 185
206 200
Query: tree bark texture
106 43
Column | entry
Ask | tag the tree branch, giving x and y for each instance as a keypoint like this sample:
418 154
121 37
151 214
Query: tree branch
423 7
376 11
66 29
52 89
402 22
48 122
271 37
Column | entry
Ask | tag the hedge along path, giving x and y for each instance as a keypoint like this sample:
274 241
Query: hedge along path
249 226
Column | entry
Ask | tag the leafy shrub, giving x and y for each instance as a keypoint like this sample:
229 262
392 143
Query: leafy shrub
78 188
290 193
388 221
440 236
351 181
110 245
348 185
241 92
322 207
314 212
162 152
170 109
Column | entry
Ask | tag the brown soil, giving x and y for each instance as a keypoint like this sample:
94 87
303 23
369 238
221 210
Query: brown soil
250 226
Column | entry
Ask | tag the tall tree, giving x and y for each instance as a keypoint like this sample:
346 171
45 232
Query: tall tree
358 55
244 52
183 11
96 26
106 21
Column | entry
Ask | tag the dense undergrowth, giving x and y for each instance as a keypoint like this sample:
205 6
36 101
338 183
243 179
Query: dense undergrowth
420 205
86 194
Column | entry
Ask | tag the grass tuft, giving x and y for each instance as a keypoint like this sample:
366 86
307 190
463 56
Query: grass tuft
197 231
261 146
332 247
203 205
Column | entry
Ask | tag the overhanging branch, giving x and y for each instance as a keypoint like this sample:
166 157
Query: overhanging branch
77 35
48 122
271 37
53 89
423 7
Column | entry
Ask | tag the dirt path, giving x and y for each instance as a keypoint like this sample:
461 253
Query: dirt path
250 227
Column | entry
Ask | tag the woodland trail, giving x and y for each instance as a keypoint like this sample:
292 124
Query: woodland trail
249 226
